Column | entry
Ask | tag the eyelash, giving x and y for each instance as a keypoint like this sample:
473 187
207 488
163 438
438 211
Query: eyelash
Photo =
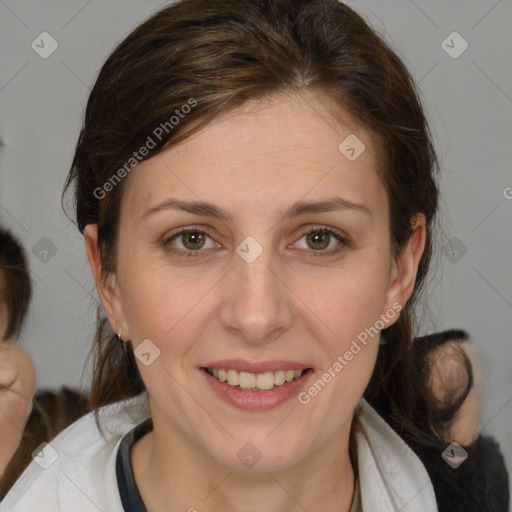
316 254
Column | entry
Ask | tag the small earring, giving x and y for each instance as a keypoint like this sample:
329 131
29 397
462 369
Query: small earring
119 334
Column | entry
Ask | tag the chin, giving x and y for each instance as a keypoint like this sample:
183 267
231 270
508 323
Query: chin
259 456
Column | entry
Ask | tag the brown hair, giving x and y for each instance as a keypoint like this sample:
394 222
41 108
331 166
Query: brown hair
16 286
219 54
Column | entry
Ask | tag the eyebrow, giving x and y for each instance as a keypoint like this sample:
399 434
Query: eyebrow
295 210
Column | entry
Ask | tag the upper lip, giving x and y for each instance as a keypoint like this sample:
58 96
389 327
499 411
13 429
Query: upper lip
242 365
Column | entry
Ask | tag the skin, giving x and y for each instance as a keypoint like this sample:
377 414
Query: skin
447 372
17 381
287 304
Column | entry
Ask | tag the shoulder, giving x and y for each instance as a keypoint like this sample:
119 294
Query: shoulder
76 470
391 476
392 468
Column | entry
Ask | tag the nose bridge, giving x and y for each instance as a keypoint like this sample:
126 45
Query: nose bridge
258 304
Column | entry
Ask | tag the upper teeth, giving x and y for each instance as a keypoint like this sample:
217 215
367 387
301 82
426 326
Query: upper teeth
248 380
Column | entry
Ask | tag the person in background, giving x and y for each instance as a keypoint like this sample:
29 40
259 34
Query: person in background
17 374
452 376
27 418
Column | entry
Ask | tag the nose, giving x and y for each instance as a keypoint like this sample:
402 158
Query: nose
258 305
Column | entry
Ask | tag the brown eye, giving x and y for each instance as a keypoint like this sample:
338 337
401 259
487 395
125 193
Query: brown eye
318 240
193 240
188 242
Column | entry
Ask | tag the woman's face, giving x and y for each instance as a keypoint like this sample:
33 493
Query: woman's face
249 290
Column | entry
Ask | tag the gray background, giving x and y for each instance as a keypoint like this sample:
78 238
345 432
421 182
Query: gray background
469 103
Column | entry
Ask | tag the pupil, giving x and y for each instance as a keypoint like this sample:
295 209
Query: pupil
316 238
195 237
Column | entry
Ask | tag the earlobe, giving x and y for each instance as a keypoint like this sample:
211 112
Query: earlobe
105 284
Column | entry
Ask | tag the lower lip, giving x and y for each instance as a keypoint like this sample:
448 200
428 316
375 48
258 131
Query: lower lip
257 400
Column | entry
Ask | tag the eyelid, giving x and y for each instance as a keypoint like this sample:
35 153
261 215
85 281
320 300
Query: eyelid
344 241
340 235
180 231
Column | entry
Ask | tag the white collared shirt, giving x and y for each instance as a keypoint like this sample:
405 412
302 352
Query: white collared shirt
392 478
76 471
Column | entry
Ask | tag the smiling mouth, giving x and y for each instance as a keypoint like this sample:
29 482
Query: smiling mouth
245 381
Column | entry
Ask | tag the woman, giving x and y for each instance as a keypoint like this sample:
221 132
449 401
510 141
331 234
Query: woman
255 182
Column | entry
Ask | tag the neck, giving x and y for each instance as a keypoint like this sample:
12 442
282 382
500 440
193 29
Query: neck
168 469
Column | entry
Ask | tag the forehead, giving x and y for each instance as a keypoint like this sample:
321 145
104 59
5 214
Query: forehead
274 150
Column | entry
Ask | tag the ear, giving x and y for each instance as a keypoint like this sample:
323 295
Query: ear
106 284
405 267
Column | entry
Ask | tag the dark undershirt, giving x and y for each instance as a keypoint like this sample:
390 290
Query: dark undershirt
130 497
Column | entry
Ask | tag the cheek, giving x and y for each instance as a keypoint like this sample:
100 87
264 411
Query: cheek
351 299
350 348
354 346
349 308
163 304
